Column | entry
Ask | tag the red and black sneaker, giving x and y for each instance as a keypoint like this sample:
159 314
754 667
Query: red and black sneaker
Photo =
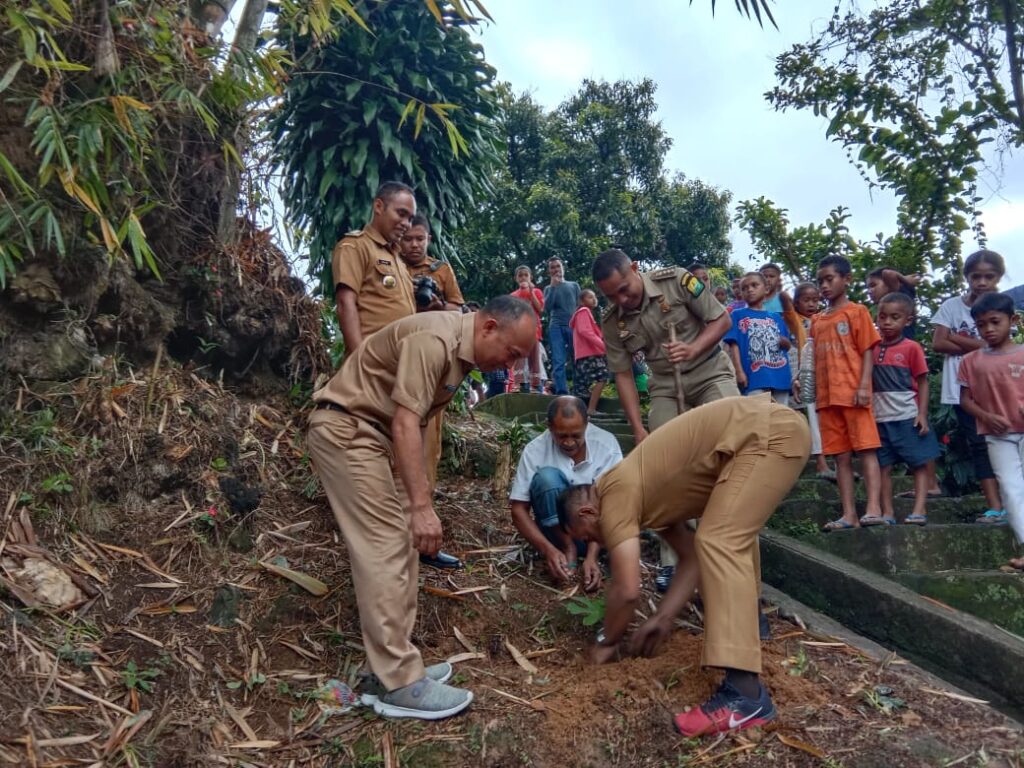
727 710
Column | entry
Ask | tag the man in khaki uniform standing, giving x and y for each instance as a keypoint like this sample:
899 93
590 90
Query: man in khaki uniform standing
447 296
647 309
366 441
730 464
372 286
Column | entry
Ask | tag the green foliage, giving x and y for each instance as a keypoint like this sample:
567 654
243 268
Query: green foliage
59 483
517 435
590 610
913 89
250 681
582 178
139 679
412 101
104 151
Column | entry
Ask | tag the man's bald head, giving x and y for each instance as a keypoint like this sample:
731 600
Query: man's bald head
503 331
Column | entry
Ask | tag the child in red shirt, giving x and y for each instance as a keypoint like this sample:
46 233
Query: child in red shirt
844 336
992 391
533 296
588 345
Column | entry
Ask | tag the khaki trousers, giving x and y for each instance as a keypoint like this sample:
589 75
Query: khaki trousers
713 380
354 462
432 447
748 491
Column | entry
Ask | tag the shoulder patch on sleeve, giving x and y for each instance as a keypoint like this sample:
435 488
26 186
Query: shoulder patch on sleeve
354 233
664 274
691 283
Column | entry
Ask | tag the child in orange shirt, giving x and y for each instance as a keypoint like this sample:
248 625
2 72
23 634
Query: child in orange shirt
844 337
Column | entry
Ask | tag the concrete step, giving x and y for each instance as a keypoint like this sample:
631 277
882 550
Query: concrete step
797 512
890 550
992 595
827 490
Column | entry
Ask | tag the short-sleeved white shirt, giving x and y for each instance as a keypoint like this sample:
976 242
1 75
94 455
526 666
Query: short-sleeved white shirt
603 453
955 315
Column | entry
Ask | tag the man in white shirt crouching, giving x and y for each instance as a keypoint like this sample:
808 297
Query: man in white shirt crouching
570 452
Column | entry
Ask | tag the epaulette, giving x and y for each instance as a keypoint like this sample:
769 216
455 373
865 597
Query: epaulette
436 265
354 233
664 274
609 310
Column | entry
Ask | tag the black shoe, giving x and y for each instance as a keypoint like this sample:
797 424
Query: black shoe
763 627
664 578
441 560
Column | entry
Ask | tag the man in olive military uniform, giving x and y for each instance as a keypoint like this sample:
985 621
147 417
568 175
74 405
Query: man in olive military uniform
371 284
365 441
647 308
446 296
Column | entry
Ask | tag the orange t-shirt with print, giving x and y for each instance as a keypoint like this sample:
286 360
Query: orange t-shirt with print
841 337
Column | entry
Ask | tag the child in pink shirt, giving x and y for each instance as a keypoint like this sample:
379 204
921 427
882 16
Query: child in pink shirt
992 390
533 296
588 345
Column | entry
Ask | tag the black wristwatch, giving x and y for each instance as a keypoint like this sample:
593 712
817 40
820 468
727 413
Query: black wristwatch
602 639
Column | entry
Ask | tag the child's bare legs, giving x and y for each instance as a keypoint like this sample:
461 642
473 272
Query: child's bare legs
822 465
844 477
595 396
921 480
535 376
872 481
990 487
933 480
885 490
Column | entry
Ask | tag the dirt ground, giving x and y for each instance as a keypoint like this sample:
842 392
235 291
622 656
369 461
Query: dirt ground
174 507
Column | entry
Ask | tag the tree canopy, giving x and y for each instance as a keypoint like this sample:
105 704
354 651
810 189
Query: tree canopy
581 178
914 89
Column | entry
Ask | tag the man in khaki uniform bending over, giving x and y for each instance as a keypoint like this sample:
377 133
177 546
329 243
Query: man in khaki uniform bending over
728 463
647 308
366 441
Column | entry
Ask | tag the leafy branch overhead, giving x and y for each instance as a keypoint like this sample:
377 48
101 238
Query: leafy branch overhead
914 90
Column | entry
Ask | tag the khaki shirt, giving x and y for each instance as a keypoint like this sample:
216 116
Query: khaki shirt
417 362
670 475
364 262
443 276
671 296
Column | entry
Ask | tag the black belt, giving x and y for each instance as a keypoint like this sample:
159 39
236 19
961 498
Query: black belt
325 405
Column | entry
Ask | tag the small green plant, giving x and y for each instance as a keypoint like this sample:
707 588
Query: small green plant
139 679
219 464
250 681
517 435
797 665
59 483
589 609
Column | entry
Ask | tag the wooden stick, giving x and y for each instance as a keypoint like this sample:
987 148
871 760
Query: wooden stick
677 374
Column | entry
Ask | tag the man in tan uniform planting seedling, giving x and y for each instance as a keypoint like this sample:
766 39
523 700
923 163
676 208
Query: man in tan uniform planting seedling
728 463
366 441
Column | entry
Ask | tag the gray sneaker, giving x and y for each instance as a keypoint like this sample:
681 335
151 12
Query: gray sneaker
425 699
374 689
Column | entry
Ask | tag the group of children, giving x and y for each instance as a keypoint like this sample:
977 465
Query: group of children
864 381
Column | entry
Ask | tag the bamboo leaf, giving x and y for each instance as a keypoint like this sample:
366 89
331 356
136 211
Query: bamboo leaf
420 113
308 583
10 74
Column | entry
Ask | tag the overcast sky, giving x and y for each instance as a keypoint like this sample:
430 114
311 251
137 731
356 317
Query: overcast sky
711 75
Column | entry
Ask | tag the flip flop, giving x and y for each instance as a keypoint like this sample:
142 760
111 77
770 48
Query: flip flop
829 475
869 520
837 525
888 520
915 520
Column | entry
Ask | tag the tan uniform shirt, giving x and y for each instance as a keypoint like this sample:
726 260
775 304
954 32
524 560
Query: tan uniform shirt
671 296
670 475
443 275
417 362
363 262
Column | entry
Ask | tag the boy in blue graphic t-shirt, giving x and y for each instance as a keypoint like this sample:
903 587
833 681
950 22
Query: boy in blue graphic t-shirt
758 342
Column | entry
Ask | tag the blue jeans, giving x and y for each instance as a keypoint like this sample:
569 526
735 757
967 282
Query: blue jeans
560 338
545 488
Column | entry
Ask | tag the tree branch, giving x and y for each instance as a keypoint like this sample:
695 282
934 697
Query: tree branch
1009 25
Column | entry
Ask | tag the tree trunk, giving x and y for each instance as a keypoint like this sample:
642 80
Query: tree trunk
246 35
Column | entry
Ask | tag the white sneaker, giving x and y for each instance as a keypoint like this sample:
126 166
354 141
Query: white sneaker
425 699
374 689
